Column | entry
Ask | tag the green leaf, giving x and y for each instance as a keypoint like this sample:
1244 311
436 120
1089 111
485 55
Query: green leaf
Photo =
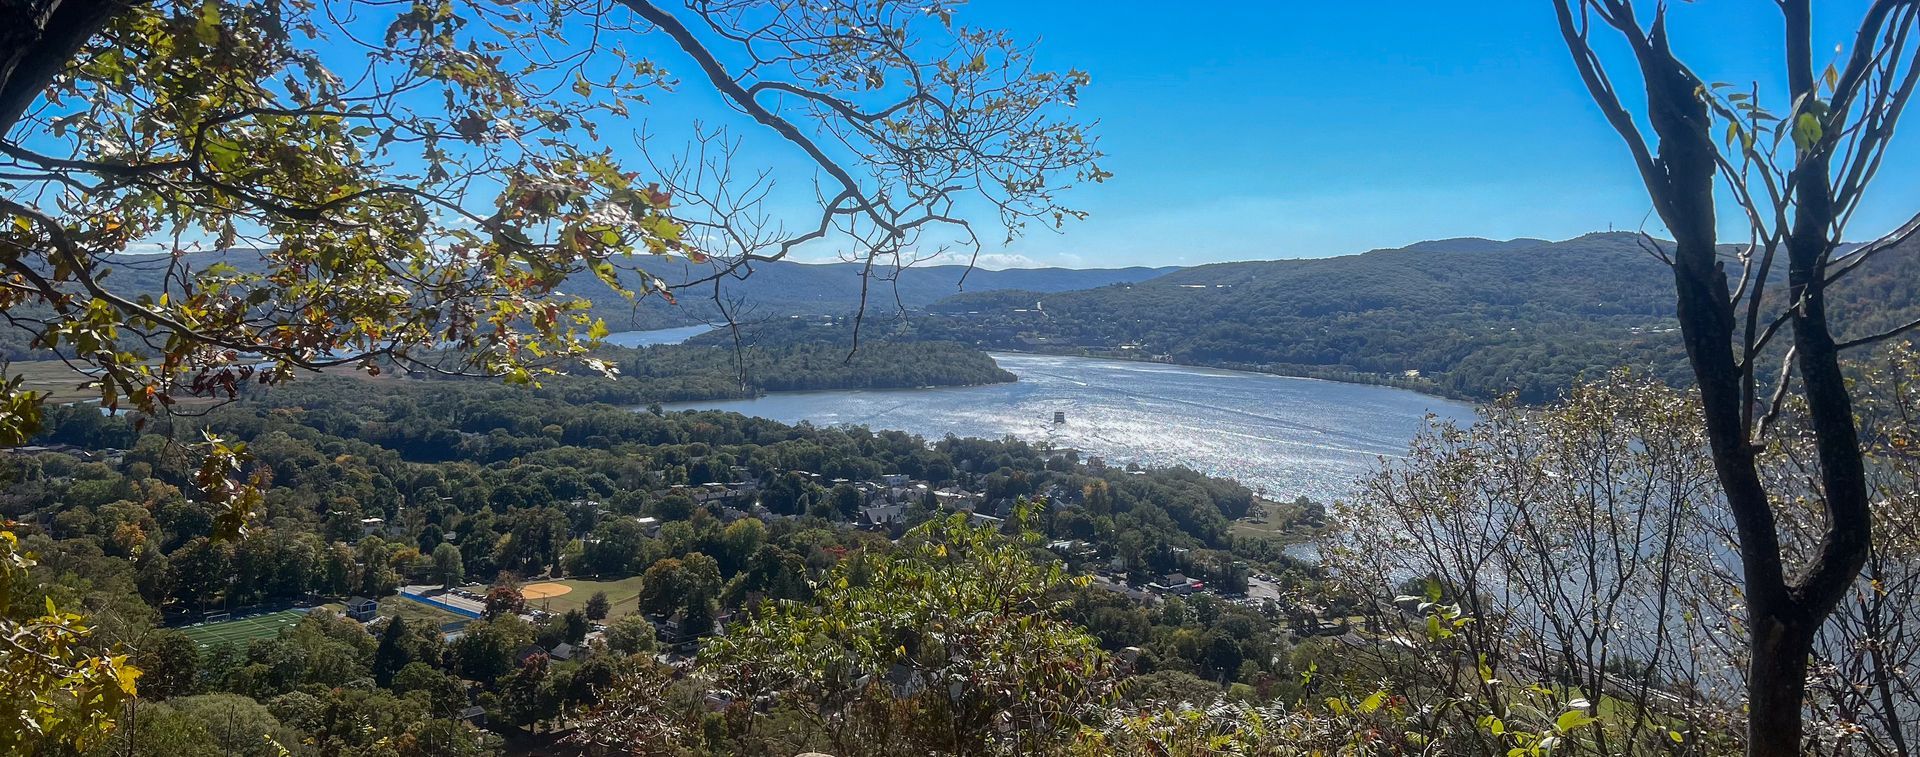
1572 719
207 30
1807 131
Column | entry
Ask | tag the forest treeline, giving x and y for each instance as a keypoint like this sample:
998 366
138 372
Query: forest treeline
718 370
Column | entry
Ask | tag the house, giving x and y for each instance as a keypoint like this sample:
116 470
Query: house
915 493
1176 583
476 715
667 628
649 524
895 479
528 652
718 492
362 609
562 651
883 515
955 499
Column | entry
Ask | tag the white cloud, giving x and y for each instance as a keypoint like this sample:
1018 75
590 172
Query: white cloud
994 261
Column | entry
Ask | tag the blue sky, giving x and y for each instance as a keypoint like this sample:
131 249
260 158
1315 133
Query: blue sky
1243 130
1294 128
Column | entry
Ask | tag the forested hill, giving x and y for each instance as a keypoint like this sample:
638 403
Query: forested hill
1474 317
787 288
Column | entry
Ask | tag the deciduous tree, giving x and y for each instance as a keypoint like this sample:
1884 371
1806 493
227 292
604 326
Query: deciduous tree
448 565
393 653
1796 173
169 662
413 184
950 645
54 691
504 598
1588 543
630 634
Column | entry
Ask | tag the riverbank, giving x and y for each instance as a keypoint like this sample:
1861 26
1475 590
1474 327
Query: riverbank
1410 383
1289 436
668 372
1413 383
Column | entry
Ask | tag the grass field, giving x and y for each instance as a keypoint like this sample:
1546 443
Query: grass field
242 630
1271 530
59 380
622 594
1270 519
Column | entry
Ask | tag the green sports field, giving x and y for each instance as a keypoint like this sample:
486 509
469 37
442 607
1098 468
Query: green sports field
242 630
621 593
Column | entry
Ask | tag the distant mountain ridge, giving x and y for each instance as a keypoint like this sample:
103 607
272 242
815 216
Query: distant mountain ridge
785 288
773 290
777 288
1469 317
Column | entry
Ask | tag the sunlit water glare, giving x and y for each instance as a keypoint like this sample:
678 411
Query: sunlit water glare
1287 436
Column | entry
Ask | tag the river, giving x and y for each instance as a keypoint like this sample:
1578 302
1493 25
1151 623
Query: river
1284 436
652 337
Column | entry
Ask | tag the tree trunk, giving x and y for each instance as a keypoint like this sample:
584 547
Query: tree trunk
1777 687
38 39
